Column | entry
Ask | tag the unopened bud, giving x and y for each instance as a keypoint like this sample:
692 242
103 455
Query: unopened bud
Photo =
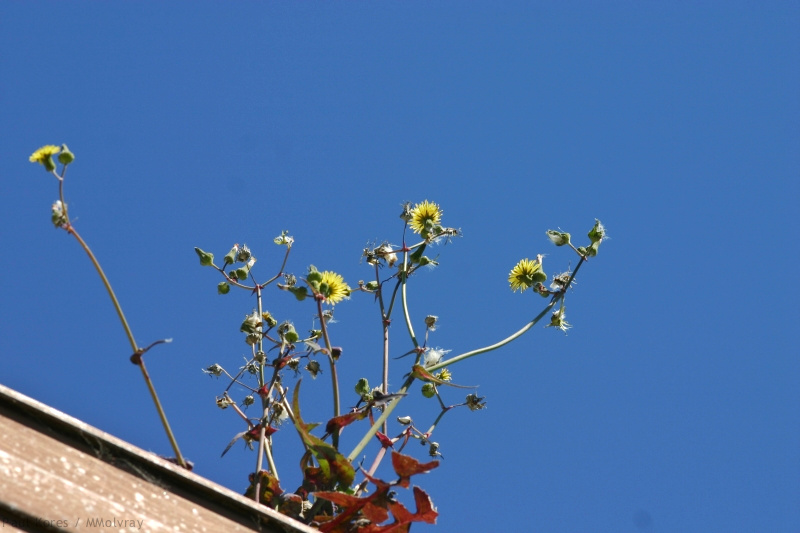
559 238
206 259
65 157
230 257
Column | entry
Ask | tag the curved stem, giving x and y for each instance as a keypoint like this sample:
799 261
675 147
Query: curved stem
161 414
496 345
515 335
404 301
110 291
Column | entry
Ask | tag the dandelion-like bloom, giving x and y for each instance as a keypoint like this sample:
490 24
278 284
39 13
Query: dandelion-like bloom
424 214
526 274
44 156
43 153
338 290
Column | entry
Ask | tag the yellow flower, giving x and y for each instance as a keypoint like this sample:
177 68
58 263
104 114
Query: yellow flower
526 274
44 155
337 289
424 215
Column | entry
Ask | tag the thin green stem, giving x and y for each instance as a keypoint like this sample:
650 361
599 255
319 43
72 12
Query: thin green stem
334 377
404 301
496 345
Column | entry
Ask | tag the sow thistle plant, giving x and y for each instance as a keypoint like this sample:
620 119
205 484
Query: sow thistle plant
333 495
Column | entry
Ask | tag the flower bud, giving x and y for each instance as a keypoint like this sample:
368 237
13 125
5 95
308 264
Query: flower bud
597 233
230 257
206 259
287 332
269 319
428 390
65 157
223 288
362 387
559 238
248 400
314 276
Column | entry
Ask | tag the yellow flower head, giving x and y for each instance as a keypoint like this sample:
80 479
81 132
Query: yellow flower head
44 156
424 214
526 274
337 289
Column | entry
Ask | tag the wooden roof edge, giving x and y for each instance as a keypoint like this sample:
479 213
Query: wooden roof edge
141 463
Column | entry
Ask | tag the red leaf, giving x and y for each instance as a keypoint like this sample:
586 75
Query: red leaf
426 512
375 513
400 513
338 422
406 466
343 500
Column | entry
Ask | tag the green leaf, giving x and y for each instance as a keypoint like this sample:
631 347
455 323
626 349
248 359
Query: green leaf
334 470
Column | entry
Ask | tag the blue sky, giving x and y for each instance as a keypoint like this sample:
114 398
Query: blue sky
672 405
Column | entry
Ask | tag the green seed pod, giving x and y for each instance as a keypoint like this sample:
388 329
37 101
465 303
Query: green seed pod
223 287
428 390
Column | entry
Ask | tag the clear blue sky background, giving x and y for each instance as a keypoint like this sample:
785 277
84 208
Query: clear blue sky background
672 405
